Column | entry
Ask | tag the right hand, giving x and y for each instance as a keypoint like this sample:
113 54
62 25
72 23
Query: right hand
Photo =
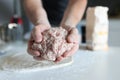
73 37
36 37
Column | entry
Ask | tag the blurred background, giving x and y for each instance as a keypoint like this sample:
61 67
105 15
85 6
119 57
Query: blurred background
10 9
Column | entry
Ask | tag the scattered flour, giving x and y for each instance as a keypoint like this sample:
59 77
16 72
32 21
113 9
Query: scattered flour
22 62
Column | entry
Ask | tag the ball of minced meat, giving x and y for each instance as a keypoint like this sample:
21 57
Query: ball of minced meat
53 44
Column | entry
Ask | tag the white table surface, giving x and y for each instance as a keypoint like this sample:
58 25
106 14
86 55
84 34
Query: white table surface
87 65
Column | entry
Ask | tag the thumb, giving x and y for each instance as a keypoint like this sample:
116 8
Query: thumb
36 34
73 36
37 37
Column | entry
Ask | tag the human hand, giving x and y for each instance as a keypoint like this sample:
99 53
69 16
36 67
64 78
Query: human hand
73 37
36 37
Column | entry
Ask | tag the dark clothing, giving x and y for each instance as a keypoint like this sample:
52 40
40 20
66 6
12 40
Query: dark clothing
55 10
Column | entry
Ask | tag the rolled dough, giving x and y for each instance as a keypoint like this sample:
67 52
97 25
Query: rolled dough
22 62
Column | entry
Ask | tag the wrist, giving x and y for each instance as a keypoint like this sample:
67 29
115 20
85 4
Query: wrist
42 18
67 27
46 26
40 22
68 22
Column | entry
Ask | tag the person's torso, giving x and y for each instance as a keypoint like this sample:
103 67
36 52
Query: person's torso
55 10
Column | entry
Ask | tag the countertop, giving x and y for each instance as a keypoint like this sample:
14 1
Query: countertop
87 65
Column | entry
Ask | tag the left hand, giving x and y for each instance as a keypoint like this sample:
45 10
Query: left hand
73 37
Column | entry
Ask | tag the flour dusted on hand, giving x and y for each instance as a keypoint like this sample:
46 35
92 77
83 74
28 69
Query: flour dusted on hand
53 44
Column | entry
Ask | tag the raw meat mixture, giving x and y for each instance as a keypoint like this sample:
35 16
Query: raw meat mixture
53 44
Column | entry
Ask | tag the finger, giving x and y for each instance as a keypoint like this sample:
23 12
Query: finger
38 58
37 36
30 50
73 36
71 52
33 52
37 32
58 59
